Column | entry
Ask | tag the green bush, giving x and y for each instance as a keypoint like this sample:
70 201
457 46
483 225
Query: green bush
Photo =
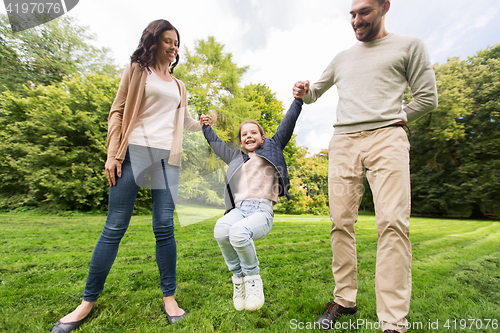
53 145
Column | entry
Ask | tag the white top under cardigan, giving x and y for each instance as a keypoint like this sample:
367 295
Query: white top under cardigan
155 122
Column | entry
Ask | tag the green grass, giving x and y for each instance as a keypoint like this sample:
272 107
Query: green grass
44 262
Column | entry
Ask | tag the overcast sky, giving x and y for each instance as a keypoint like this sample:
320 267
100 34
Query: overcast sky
283 41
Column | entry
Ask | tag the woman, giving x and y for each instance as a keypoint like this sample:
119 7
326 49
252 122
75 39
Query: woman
145 128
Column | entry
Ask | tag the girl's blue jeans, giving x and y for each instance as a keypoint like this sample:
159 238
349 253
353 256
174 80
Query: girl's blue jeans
120 207
236 231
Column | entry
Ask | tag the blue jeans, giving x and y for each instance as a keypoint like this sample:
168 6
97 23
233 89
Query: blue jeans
235 232
120 207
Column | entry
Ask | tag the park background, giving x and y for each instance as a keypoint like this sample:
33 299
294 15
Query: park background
57 85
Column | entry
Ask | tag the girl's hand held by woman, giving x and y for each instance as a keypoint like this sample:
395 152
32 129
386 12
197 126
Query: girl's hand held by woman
205 119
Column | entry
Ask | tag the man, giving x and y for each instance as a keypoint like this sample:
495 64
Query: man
369 137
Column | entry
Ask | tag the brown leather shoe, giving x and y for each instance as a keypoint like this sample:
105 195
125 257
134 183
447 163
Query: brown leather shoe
333 313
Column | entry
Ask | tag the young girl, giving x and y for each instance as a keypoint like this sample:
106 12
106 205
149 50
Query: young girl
256 176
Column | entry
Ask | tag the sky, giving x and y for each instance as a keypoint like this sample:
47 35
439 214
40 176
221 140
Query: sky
283 41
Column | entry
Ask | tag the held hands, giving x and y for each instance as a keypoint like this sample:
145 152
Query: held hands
110 166
300 89
205 119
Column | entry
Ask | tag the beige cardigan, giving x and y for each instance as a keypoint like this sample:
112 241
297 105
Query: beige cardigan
126 107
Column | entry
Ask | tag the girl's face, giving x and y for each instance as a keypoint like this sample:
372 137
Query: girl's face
168 47
250 138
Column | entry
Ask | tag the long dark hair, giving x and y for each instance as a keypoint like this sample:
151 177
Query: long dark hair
145 52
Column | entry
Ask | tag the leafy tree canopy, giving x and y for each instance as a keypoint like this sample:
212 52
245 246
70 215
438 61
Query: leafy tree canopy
456 148
49 52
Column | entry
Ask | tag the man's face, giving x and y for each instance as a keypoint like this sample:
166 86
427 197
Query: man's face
367 19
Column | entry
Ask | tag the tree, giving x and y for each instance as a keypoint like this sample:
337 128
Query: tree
52 51
212 79
53 116
480 155
265 107
53 145
309 184
435 142
12 71
456 149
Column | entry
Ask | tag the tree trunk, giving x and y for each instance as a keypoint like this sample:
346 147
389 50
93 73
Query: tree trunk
476 213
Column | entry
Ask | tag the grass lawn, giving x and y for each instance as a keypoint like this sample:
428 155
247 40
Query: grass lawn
44 262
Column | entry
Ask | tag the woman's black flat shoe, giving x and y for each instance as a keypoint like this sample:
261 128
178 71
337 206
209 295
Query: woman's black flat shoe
173 319
68 327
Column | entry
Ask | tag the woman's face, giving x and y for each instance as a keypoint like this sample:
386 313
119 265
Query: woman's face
168 47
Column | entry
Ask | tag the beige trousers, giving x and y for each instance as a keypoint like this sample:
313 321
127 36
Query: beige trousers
384 155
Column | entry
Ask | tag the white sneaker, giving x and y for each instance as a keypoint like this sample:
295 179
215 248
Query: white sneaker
254 292
238 293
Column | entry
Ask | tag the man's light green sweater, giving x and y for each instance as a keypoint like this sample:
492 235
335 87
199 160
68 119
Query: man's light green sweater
371 79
